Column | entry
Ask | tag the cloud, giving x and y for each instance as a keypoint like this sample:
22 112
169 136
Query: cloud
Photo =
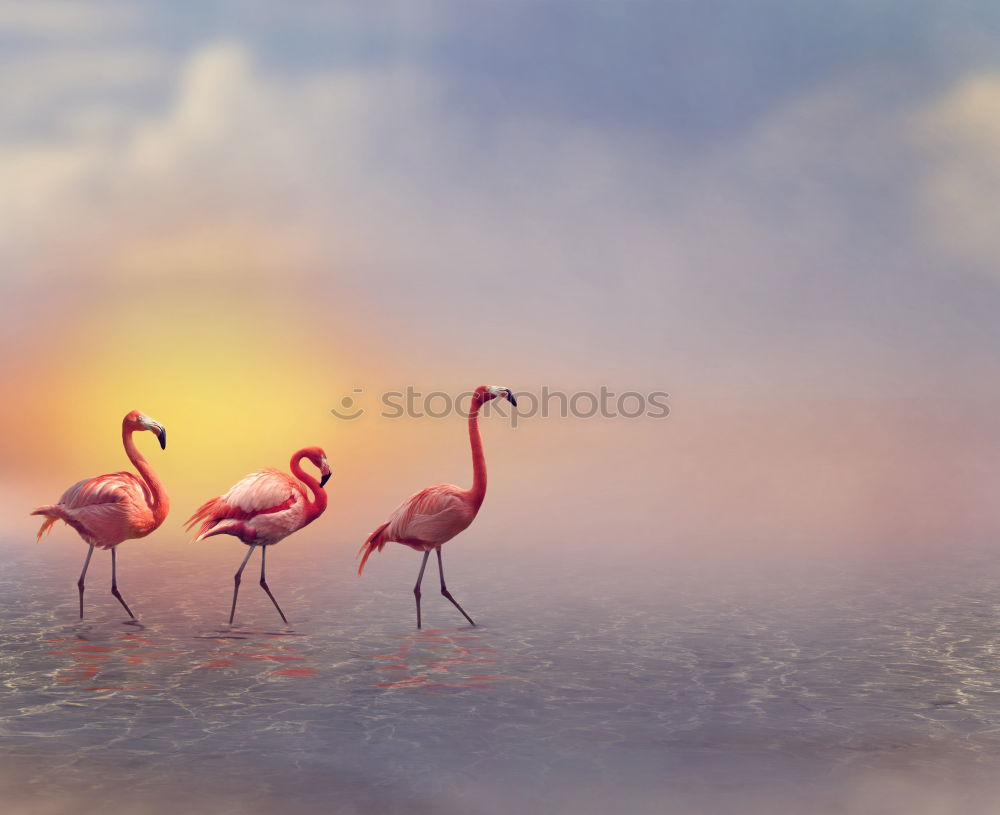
959 134
363 158
65 18
47 82
790 240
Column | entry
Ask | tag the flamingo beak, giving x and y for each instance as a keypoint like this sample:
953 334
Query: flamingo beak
323 479
161 433
511 399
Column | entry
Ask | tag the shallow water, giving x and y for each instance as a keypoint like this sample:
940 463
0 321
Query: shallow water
827 686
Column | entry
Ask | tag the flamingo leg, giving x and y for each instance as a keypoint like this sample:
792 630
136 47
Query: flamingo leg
446 593
263 584
79 583
236 581
114 582
420 577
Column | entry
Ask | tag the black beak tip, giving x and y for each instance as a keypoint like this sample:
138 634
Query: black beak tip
163 438
512 400
324 479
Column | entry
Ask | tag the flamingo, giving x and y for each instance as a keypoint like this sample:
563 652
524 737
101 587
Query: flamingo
108 509
264 508
430 518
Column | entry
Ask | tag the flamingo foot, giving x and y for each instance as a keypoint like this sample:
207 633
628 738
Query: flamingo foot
263 585
120 599
416 589
236 582
446 593
114 583
83 574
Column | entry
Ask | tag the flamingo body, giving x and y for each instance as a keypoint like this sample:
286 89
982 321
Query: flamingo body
425 520
264 508
260 509
105 510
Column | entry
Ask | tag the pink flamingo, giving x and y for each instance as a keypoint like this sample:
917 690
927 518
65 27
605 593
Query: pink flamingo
428 519
108 509
264 508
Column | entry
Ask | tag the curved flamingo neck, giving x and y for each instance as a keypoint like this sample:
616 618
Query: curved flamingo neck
478 491
315 507
161 502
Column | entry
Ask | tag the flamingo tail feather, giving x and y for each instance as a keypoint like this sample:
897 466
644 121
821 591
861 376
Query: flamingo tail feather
376 542
205 515
51 514
224 527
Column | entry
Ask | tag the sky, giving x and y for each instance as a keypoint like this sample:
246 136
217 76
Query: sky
230 215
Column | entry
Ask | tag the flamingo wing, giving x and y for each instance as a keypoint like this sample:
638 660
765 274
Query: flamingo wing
264 493
112 488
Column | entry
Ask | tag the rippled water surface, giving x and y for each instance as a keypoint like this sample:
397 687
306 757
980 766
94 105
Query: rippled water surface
842 686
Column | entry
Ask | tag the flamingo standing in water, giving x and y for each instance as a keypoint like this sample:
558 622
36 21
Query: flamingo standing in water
428 519
263 508
108 509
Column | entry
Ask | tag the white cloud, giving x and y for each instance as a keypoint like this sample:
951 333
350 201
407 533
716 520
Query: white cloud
370 183
57 79
367 172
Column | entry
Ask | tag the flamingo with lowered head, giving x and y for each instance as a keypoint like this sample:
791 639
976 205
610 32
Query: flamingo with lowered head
108 509
263 508
435 515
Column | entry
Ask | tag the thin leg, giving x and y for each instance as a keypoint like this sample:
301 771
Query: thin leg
236 580
79 583
263 584
114 583
420 577
446 593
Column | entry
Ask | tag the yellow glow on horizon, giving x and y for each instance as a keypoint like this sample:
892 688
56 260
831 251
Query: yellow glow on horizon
236 390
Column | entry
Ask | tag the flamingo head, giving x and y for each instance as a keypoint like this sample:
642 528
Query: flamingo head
318 457
140 421
484 393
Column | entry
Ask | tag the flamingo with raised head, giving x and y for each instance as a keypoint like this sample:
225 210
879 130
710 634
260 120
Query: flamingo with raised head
264 508
432 517
108 509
